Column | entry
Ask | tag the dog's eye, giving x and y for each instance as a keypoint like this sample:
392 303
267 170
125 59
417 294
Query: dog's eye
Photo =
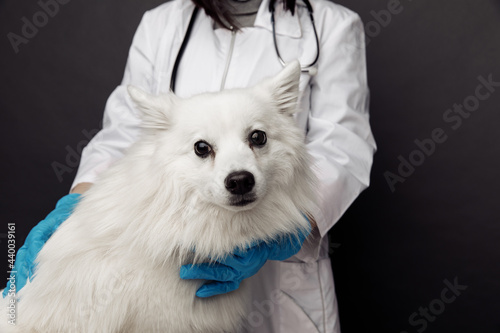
258 138
202 149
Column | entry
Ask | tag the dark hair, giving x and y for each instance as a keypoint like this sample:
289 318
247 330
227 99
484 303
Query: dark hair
221 10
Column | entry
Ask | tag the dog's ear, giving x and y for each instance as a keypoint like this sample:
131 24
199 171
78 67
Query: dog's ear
284 88
155 109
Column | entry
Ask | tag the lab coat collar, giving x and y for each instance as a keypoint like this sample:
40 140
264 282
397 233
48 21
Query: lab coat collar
286 24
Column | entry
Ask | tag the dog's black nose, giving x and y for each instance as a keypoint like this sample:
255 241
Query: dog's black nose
239 182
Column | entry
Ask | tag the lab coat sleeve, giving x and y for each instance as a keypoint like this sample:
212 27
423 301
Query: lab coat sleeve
121 121
339 137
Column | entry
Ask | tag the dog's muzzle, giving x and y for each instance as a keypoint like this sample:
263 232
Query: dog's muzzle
240 185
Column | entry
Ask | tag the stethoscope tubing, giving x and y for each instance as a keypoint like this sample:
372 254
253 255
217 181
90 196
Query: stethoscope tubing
304 69
173 78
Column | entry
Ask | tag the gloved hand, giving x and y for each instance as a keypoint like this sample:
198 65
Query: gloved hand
226 275
24 264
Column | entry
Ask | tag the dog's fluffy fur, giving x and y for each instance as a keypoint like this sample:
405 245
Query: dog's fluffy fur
113 266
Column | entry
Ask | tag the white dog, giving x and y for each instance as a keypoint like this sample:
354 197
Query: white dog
209 174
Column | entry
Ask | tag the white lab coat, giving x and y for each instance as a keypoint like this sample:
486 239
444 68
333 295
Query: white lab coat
297 295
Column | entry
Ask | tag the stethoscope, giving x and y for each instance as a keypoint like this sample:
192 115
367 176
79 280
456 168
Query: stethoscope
310 68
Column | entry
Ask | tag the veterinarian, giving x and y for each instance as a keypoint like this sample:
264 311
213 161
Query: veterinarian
230 44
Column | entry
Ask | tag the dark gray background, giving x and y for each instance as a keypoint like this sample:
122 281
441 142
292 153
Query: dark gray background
391 251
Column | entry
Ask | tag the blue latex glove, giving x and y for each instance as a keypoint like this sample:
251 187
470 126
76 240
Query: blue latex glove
25 258
226 275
